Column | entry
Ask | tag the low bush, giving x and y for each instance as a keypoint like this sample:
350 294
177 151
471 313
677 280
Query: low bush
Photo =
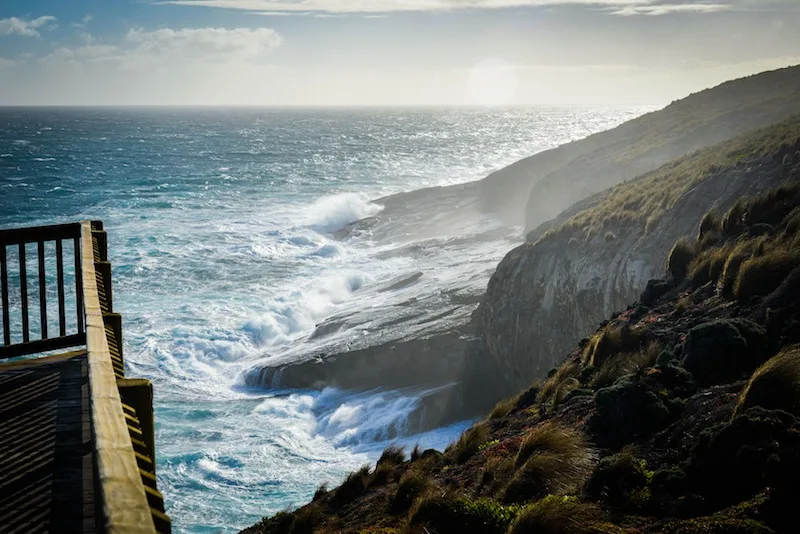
764 447
679 258
619 480
761 275
628 410
724 350
469 443
556 515
775 385
446 514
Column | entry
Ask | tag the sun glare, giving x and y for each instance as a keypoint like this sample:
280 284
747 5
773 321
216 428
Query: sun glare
492 82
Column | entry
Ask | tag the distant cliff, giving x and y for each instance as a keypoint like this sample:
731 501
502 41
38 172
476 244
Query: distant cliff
597 257
540 187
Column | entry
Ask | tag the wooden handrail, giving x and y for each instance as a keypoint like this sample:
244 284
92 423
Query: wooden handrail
121 492
39 235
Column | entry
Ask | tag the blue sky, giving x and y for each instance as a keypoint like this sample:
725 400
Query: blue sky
386 52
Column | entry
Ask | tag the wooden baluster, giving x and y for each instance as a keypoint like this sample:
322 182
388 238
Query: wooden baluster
62 319
42 290
78 285
4 276
23 285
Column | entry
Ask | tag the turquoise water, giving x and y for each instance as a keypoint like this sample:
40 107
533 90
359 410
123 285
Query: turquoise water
220 226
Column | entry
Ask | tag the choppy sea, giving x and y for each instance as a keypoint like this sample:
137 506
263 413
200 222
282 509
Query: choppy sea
221 228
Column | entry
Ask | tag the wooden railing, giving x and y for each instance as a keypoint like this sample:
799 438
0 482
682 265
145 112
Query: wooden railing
60 234
121 408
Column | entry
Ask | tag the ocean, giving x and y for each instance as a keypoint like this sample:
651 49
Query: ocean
223 236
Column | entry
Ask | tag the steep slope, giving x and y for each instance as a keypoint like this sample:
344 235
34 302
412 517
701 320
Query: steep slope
598 256
680 415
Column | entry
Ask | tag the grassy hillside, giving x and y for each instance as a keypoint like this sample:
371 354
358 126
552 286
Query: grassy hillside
680 415
540 187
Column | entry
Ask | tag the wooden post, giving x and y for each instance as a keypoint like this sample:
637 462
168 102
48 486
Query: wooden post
138 394
104 269
101 237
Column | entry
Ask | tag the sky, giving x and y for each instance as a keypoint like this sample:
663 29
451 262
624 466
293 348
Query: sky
385 52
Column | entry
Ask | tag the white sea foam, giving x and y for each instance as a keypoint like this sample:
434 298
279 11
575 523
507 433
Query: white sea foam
334 212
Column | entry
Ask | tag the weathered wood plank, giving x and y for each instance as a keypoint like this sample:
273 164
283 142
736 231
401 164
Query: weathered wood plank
16 236
4 281
124 502
42 289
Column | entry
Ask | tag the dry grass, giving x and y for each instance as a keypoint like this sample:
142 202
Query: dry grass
679 259
504 407
568 370
392 455
469 443
625 364
497 472
353 487
763 274
644 201
412 484
775 385
552 459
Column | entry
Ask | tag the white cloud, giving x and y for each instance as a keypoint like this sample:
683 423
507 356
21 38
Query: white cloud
84 21
616 7
666 9
5 63
28 28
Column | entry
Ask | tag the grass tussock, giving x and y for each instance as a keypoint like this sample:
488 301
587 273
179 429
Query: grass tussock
412 484
552 459
568 370
775 385
760 275
612 341
353 487
497 472
469 443
680 257
504 407
557 515
623 364
392 455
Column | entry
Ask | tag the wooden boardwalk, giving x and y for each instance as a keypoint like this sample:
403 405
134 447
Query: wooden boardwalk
77 441
46 446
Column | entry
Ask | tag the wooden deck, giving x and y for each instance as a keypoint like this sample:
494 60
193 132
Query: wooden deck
77 443
46 446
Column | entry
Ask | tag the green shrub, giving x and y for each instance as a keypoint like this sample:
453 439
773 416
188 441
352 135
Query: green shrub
556 515
724 350
680 257
412 484
552 459
392 455
619 480
353 487
761 275
469 443
445 514
775 385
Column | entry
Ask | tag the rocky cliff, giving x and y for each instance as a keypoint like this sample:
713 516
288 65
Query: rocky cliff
597 257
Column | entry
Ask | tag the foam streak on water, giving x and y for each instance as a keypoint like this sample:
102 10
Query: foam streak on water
221 236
